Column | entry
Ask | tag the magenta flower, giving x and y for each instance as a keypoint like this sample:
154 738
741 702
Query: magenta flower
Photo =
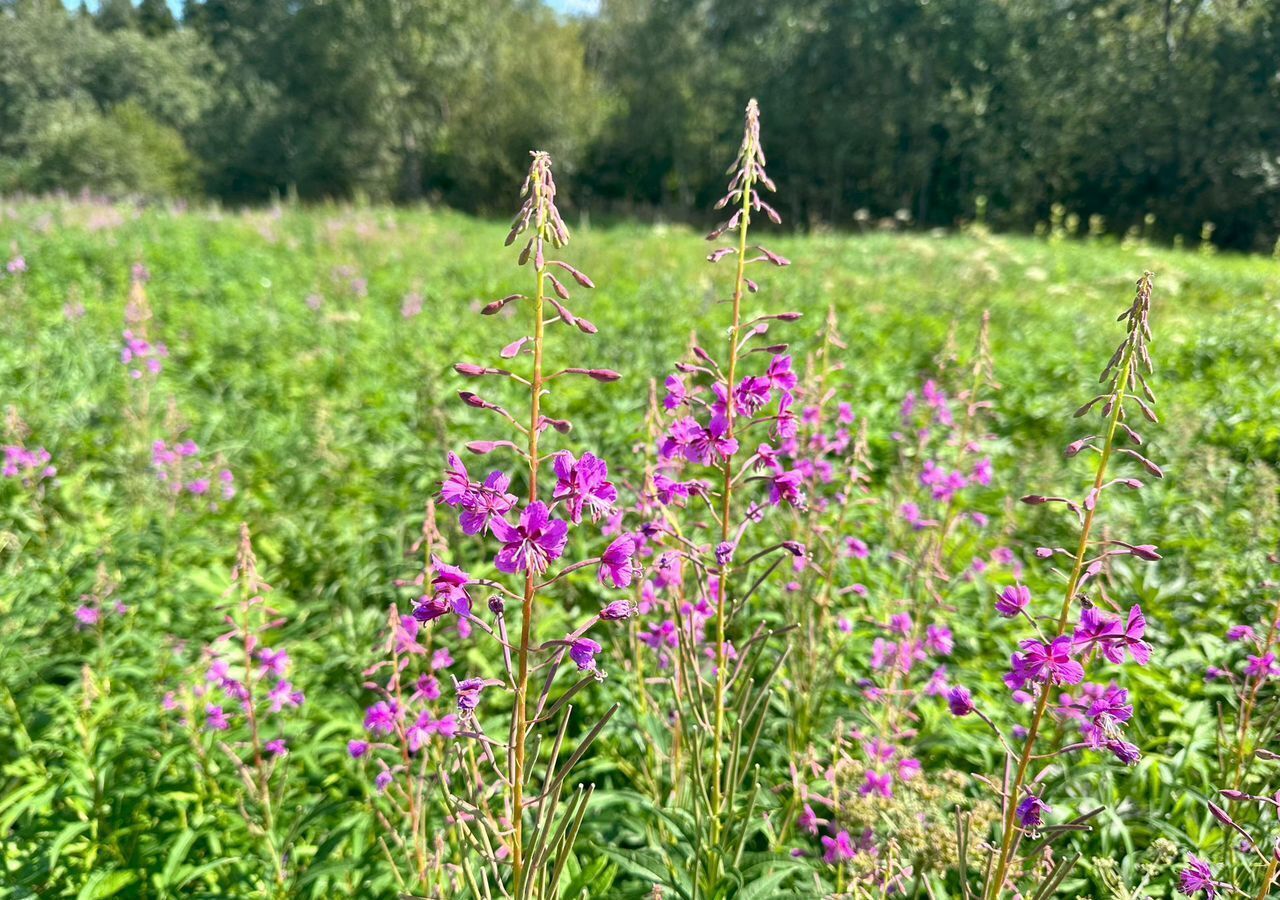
282 694
780 375
808 820
752 394
618 566
838 849
1262 666
583 483
450 584
583 652
489 501
469 692
533 544
676 393
1031 812
787 487
457 484
877 783
216 719
1013 600
960 701
618 609
381 718
277 747
87 616
1047 663
938 639
1197 878
357 749
1113 639
711 446
275 662
1240 633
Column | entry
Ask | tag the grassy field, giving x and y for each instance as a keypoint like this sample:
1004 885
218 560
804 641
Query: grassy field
310 353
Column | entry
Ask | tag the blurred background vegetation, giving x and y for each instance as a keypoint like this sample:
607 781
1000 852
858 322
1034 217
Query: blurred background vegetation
1158 114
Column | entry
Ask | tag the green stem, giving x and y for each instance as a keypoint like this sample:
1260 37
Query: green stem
718 789
1073 583
519 872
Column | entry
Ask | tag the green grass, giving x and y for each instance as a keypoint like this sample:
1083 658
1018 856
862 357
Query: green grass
335 422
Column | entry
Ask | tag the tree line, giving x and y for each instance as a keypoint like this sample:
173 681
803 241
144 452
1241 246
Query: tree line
1163 114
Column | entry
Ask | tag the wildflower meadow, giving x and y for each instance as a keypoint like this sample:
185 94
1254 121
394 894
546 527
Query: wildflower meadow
353 551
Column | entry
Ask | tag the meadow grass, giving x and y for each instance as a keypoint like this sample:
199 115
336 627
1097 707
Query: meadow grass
297 357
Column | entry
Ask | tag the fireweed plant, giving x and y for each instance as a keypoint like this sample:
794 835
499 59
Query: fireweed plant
521 841
725 421
406 736
1048 672
234 708
1248 719
860 803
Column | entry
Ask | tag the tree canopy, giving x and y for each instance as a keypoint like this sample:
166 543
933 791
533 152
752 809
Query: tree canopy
1163 112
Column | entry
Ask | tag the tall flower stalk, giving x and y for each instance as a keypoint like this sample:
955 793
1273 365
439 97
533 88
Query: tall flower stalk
511 825
702 578
1056 656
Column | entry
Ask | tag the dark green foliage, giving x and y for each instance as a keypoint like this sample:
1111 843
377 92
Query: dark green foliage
1143 113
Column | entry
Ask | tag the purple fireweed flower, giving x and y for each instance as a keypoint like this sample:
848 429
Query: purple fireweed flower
489 501
441 659
381 718
780 375
1197 878
676 393
16 266
583 483
1127 753
216 719
900 623
275 662
1264 666
533 544
856 548
837 849
583 652
752 394
383 780
939 640
1047 663
1097 630
618 566
960 701
469 692
1013 600
427 687
1031 812
877 783
982 471
1240 633
450 585
87 616
710 446
282 694
787 487
277 747
670 491
357 749
808 820
618 609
